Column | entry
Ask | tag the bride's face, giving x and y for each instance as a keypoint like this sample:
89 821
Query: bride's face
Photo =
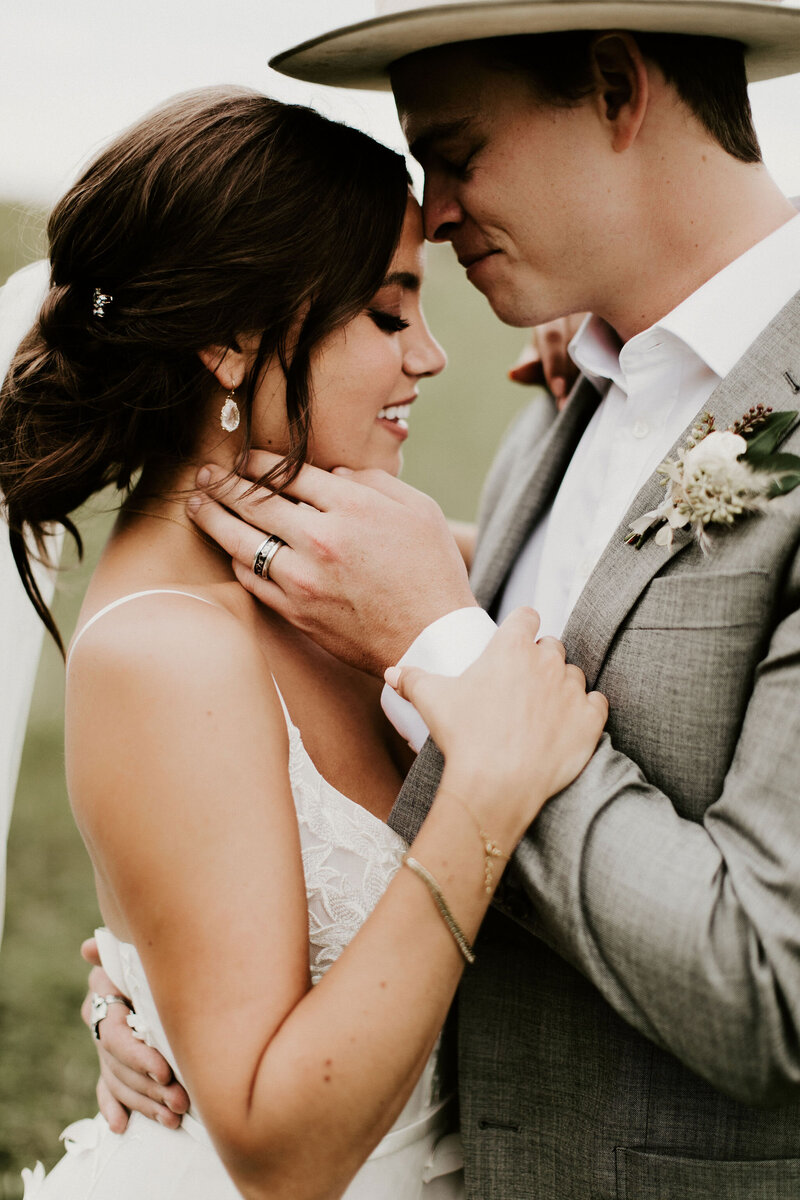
365 375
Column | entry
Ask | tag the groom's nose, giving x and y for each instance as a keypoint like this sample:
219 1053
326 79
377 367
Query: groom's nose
441 211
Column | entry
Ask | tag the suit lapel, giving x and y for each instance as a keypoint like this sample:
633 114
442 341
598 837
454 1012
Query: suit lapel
528 494
768 374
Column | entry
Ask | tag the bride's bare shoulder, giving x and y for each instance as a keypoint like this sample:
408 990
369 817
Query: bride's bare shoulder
167 660
155 626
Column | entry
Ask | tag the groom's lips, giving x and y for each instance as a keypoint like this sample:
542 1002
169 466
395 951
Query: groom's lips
471 260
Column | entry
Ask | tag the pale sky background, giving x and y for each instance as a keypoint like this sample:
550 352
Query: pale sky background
74 72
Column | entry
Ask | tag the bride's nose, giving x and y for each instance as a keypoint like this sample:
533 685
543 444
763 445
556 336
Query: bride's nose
423 354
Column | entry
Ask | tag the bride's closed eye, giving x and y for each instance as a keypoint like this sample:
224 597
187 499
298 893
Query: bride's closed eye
388 322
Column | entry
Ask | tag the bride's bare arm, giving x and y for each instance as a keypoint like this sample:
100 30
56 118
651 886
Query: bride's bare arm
177 756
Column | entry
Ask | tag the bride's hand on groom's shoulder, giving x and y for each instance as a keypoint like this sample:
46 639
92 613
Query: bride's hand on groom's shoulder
368 561
517 725
134 1077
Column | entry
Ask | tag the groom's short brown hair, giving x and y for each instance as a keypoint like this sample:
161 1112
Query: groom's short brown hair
708 74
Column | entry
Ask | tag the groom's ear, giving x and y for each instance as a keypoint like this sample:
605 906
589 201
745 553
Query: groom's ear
622 86
228 364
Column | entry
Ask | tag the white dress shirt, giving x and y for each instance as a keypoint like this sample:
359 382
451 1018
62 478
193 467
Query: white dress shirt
656 383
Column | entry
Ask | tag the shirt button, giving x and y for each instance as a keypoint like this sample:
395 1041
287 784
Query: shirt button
641 429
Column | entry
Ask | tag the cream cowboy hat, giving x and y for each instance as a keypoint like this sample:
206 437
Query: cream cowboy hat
360 55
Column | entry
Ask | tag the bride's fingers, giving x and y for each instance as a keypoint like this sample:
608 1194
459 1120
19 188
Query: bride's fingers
522 622
599 701
551 643
419 687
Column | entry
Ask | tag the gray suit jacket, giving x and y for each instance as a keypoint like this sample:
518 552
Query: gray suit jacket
632 1026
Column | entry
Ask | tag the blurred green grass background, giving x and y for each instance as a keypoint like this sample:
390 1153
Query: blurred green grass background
47 1063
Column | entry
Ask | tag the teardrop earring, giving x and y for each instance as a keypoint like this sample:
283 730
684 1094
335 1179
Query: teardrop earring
230 416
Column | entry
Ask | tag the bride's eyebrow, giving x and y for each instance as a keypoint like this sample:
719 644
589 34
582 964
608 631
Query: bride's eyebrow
405 279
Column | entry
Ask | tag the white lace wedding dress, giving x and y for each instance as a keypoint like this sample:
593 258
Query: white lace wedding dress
349 857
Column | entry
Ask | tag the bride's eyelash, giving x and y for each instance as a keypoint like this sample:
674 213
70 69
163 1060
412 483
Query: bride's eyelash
388 322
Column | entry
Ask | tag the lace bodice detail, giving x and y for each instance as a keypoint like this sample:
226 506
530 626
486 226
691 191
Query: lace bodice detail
349 858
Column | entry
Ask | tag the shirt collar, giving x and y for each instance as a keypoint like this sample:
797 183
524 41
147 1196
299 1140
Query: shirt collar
720 320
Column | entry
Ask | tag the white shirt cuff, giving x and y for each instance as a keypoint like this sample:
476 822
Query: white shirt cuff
447 647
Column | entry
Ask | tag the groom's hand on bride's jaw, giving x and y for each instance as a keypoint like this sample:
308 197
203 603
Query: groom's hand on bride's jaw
134 1077
369 562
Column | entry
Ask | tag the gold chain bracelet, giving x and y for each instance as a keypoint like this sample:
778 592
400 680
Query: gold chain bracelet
459 937
491 850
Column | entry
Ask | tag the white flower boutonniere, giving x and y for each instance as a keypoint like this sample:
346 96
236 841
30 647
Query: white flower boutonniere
721 475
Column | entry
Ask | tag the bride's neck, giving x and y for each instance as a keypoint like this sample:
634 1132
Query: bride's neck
176 480
161 495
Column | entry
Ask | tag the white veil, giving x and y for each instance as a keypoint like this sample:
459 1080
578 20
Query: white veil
21 631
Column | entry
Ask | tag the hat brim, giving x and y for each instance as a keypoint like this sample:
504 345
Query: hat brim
359 56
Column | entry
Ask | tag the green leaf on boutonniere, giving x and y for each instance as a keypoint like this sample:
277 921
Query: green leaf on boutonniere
787 469
771 432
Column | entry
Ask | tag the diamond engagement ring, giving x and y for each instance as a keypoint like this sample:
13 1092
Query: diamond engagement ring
100 1010
265 554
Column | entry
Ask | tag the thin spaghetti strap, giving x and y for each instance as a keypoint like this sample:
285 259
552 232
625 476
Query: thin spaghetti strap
124 600
164 592
289 720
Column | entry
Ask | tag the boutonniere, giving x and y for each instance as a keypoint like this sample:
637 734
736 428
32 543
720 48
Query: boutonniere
720 475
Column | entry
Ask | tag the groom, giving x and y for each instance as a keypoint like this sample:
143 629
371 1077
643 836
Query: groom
631 1027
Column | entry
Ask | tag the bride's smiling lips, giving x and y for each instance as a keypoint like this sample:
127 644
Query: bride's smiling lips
394 417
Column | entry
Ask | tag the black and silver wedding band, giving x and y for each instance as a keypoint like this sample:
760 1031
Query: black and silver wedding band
265 554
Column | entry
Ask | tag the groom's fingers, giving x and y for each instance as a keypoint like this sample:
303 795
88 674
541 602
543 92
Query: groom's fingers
328 491
388 485
117 1044
312 485
116 1100
236 537
267 591
90 952
125 1083
115 1114
263 510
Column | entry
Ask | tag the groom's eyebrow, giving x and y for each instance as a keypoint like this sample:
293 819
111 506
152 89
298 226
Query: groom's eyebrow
405 279
439 132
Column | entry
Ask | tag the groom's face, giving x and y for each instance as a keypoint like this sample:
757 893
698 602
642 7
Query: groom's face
516 185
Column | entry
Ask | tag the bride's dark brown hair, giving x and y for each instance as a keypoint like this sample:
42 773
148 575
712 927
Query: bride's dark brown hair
222 212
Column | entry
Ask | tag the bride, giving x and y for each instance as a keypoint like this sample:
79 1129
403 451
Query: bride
234 272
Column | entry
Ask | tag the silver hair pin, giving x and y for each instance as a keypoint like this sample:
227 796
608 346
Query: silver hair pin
100 302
